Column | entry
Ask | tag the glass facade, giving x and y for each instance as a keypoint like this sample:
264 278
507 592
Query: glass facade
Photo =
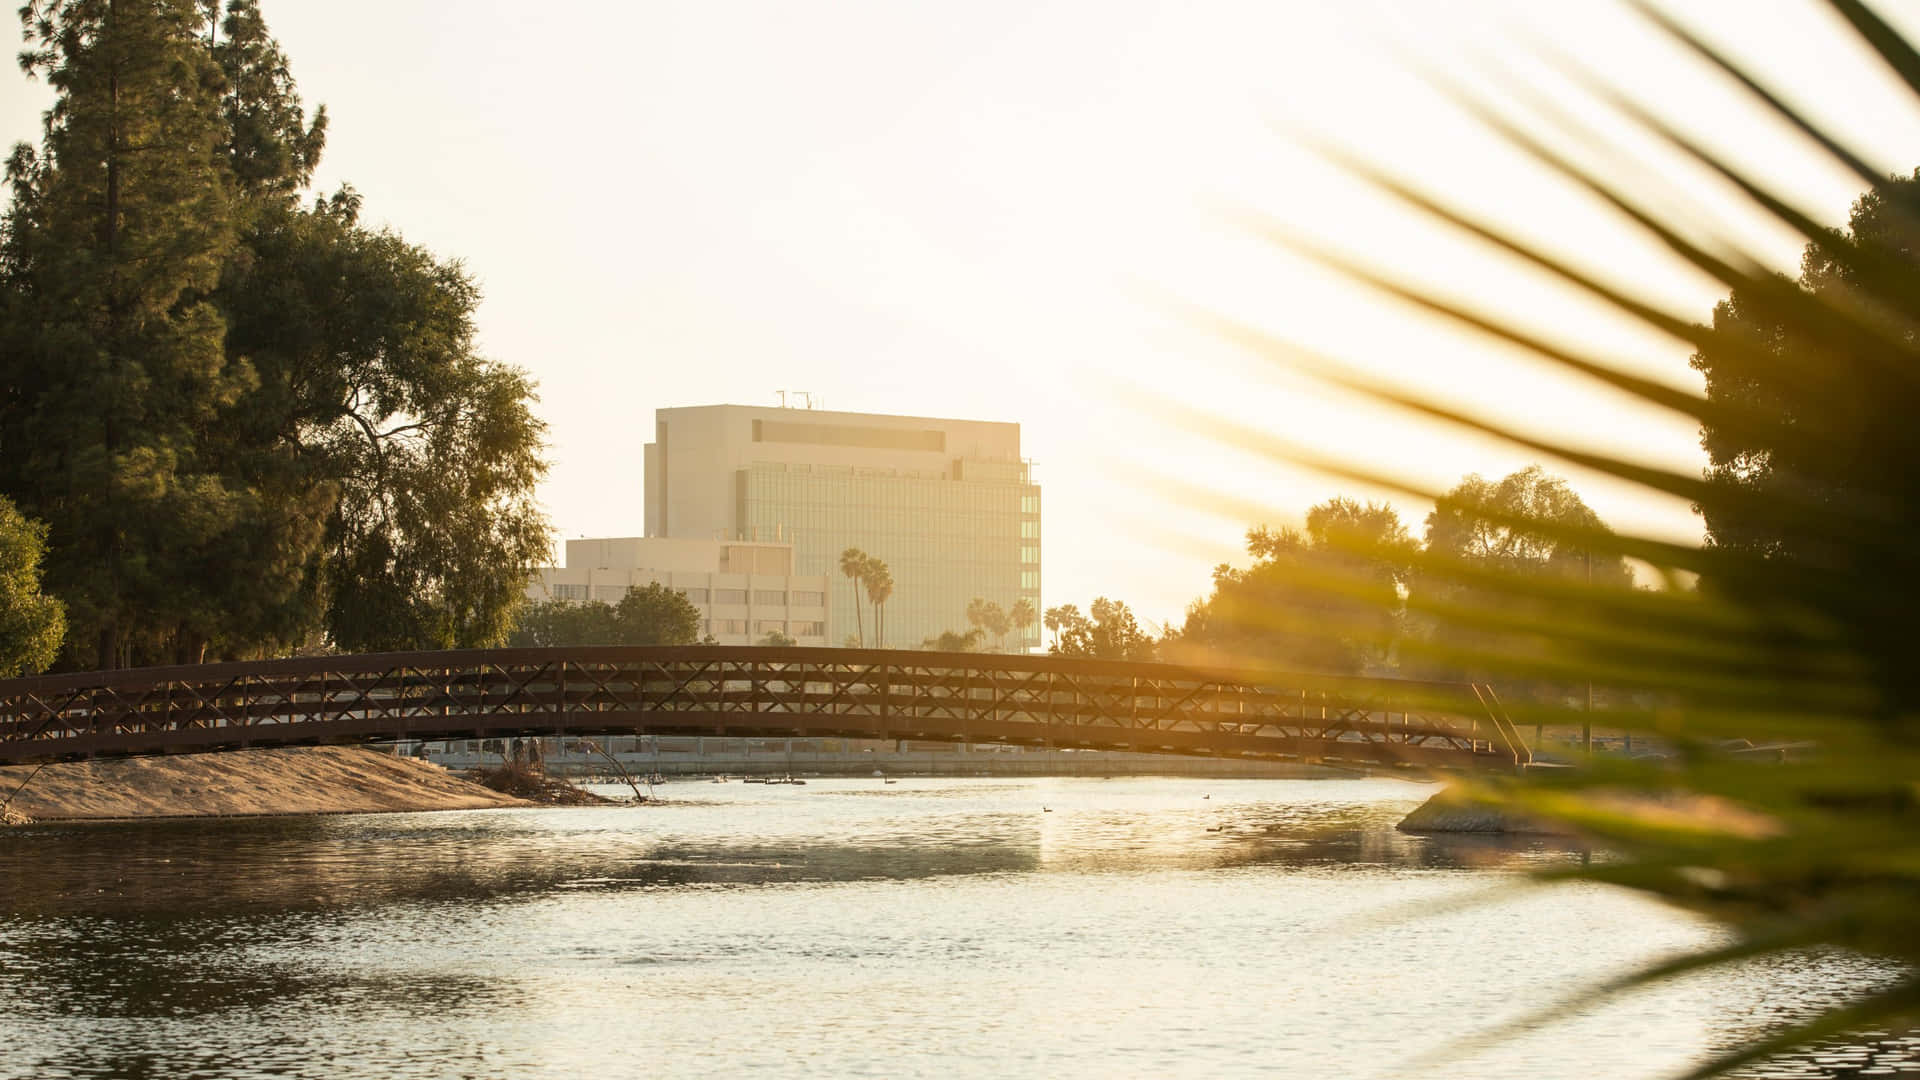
945 538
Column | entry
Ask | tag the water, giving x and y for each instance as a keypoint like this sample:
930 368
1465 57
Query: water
952 928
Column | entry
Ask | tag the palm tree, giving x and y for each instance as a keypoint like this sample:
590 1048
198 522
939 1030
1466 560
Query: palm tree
879 581
994 618
1021 615
853 564
1059 617
1802 633
977 613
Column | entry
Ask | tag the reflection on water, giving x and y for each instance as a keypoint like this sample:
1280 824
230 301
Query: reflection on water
974 927
732 834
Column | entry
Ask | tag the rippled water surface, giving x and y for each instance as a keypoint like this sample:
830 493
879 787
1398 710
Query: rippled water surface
1071 928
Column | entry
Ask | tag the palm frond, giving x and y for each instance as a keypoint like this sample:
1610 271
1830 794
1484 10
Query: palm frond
1801 634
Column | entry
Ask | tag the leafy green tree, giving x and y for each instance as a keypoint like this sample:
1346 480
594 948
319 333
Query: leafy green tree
853 566
955 641
1327 600
1112 633
776 639
1485 542
654 614
1530 522
1777 376
559 623
241 419
32 623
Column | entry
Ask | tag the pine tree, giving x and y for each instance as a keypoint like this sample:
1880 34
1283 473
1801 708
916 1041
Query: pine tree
114 364
271 147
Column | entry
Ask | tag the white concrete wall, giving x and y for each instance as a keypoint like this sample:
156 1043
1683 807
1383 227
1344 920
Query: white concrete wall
653 475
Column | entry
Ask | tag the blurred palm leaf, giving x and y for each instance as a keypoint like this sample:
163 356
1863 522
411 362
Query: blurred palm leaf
1804 636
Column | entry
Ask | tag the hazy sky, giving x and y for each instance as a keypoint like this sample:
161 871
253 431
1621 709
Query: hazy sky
1006 210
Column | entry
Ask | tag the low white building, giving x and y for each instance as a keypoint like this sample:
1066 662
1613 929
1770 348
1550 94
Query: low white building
743 589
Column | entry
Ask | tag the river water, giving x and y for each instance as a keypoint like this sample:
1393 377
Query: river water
934 927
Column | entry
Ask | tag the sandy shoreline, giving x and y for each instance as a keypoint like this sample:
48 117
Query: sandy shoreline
243 783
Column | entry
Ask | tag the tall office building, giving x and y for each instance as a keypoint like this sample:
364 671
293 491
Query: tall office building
948 504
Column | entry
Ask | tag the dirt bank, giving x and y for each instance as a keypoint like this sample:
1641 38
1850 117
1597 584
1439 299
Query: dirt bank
302 780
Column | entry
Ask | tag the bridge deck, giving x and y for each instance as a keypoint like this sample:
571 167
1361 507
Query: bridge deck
756 692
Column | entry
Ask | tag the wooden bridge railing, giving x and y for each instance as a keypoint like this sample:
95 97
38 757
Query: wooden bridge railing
758 692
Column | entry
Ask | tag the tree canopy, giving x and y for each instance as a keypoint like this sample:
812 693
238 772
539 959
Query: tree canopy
1808 419
1529 522
245 421
955 641
652 614
1108 631
1475 608
1327 600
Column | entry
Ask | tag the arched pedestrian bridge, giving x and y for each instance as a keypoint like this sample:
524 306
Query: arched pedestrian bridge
756 692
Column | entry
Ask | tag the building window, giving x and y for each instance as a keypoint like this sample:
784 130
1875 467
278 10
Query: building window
804 598
772 597
809 629
1029 530
697 596
1029 579
729 626
770 626
609 594
1029 554
729 596
573 593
